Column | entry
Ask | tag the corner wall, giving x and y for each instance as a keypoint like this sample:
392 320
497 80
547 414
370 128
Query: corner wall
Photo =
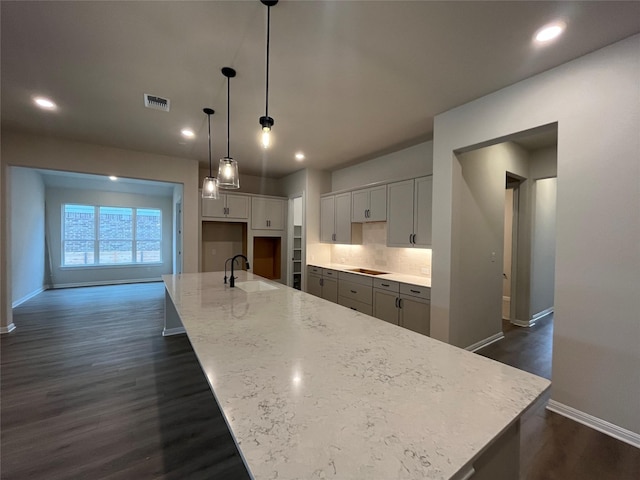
27 234
596 102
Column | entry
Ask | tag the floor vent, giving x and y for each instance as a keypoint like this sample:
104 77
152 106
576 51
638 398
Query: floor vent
157 103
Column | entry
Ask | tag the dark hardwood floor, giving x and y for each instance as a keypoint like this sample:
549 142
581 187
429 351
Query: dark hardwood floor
91 390
552 446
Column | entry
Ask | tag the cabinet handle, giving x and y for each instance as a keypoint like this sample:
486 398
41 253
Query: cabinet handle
397 306
353 291
322 282
400 302
410 237
415 291
384 284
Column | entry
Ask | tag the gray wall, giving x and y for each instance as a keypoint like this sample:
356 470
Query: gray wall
70 276
416 161
480 226
27 234
543 247
596 102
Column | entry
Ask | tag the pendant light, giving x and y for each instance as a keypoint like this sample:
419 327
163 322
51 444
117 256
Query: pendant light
267 121
210 184
228 169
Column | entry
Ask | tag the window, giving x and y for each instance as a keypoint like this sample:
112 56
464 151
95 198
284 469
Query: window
101 235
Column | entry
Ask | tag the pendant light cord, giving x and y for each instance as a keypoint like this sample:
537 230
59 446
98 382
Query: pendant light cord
268 35
209 121
228 112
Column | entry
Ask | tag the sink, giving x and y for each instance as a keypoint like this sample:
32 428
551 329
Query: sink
367 271
255 286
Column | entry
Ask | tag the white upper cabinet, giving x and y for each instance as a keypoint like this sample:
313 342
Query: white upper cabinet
369 205
335 219
267 213
409 213
227 206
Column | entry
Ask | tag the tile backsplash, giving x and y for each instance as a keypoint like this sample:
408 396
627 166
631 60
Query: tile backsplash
374 253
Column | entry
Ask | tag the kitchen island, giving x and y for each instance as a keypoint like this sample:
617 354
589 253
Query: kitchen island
310 389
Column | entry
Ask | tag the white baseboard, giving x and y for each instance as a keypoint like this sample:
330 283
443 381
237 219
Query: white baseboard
27 297
487 341
542 314
8 329
106 282
167 332
596 423
532 321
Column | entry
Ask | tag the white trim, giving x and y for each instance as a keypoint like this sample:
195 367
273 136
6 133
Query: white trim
523 323
596 423
532 321
27 297
8 329
167 332
537 316
486 342
106 282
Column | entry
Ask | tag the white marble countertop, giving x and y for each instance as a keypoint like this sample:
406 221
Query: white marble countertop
311 389
396 277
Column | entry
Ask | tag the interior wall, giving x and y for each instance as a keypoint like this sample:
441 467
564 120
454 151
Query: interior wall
23 150
543 248
27 234
98 275
249 183
220 241
595 100
480 252
412 162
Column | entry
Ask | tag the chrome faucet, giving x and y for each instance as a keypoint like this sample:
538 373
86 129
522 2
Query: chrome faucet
232 279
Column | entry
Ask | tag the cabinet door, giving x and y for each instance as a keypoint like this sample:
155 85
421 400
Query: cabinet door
237 206
400 214
267 213
415 314
377 204
213 208
422 215
314 285
385 306
327 219
343 218
359 206
330 289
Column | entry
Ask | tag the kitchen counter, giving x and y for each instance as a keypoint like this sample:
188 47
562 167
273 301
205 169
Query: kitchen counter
396 277
311 389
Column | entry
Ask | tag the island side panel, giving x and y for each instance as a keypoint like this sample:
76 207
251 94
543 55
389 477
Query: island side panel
172 323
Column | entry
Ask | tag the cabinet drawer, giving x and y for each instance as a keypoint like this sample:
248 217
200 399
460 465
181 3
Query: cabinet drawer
355 305
326 272
314 269
355 278
355 291
386 285
415 290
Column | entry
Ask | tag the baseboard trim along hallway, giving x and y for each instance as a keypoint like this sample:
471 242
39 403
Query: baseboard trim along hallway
487 341
596 423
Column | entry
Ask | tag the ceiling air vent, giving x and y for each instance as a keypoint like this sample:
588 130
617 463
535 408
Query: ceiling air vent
158 103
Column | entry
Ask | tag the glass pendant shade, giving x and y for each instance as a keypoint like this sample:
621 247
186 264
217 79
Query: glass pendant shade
228 174
210 188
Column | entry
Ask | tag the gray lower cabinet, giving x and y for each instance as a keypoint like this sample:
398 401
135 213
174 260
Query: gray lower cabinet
402 304
323 283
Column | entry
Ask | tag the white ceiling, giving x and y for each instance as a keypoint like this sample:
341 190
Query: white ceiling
349 79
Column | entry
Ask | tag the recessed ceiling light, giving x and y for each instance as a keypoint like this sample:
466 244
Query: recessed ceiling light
113 178
45 103
187 133
299 156
550 32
